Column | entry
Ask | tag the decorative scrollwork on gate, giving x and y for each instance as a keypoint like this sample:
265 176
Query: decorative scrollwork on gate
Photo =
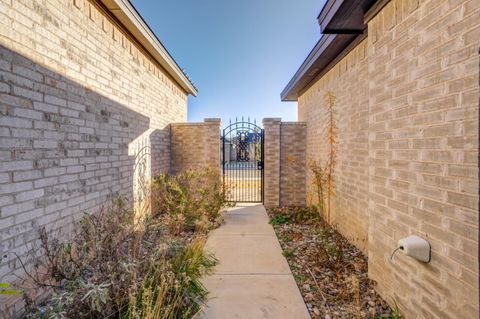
242 150
242 146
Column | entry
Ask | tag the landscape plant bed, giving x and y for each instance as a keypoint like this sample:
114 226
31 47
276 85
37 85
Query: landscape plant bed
330 272
122 264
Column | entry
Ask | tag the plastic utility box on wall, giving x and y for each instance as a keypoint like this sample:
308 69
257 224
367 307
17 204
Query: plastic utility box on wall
416 247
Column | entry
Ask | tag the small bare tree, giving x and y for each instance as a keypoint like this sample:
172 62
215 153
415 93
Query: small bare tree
323 173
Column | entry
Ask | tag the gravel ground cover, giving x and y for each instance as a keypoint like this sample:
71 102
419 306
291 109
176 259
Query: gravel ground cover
330 272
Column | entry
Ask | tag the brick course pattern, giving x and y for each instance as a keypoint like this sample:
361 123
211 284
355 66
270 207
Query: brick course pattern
284 163
82 106
271 173
407 112
348 82
423 146
195 145
292 163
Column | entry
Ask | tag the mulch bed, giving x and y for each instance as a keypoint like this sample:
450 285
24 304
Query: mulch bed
330 272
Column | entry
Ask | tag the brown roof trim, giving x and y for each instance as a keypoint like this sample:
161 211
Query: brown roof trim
372 12
325 51
327 14
344 16
343 25
334 62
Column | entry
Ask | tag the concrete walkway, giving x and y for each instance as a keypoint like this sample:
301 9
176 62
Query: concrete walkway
252 279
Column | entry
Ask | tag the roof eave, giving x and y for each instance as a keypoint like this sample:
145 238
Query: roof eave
124 11
343 24
290 92
344 16
318 61
327 13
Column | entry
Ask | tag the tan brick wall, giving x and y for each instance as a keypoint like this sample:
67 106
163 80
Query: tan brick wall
412 104
284 163
424 68
81 105
271 180
348 82
292 163
195 145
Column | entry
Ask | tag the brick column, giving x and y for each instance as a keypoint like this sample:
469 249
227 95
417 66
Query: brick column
213 138
272 162
293 163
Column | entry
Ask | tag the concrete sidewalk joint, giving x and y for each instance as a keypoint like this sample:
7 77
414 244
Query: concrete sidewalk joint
252 278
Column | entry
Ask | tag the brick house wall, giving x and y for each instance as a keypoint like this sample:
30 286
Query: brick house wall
423 146
407 116
348 81
82 107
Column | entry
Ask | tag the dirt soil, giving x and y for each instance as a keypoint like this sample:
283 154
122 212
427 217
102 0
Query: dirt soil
330 272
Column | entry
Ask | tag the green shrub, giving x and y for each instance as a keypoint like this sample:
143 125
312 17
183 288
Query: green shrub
283 215
329 249
287 253
305 214
191 199
279 220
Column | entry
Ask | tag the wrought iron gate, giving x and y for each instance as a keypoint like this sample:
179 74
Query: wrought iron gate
242 160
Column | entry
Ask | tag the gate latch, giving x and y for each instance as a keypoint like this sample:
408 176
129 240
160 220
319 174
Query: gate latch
260 165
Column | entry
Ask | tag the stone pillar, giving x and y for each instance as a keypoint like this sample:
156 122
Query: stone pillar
272 162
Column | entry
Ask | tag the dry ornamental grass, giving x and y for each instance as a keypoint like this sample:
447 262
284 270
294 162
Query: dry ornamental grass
117 265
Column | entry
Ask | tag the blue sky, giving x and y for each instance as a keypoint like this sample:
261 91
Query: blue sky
240 54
